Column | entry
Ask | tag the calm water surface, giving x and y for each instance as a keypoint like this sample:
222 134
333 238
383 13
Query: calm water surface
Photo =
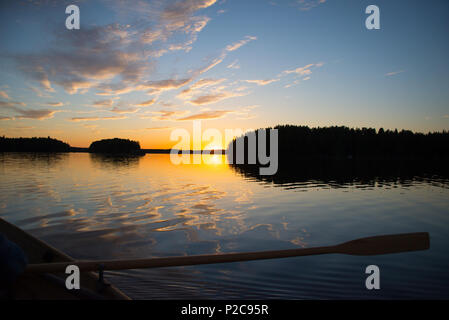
98 208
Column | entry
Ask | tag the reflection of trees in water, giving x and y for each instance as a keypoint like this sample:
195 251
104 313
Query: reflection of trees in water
338 173
114 161
34 158
341 155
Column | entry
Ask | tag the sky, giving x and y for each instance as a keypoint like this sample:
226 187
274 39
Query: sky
141 69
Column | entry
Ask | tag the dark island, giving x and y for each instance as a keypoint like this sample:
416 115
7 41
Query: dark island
32 145
116 146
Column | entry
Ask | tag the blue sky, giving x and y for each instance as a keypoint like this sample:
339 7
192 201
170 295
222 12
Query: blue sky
139 69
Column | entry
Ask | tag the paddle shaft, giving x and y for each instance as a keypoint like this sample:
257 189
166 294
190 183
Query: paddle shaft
365 246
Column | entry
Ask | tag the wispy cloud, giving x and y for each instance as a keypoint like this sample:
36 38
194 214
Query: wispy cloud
4 95
236 45
158 128
146 103
39 92
262 82
203 83
55 104
38 114
7 104
294 83
103 103
212 98
305 5
234 65
20 113
22 128
215 114
124 110
165 115
77 119
389 74
304 72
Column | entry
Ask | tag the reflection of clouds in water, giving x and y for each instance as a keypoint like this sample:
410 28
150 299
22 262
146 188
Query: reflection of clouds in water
50 219
73 237
135 211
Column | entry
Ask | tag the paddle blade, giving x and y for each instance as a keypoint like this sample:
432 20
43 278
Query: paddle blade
386 244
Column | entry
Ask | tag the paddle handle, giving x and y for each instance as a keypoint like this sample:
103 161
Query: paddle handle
175 261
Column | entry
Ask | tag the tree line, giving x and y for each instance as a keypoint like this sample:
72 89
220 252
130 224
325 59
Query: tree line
110 146
348 143
33 145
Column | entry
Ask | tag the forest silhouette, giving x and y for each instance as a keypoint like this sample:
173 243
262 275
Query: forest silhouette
116 146
345 154
32 145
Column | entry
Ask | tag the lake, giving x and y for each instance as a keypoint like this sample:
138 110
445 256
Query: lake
94 207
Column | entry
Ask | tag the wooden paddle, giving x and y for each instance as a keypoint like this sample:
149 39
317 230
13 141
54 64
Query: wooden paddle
361 247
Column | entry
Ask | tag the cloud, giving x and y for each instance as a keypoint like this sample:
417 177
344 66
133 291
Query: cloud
389 74
209 66
203 83
301 70
166 84
304 72
115 89
22 128
125 110
146 103
37 114
164 115
78 61
55 104
236 45
103 103
6 118
181 11
176 19
4 95
9 104
212 98
39 93
90 126
158 128
116 59
77 119
306 5
215 114
206 83
243 113
294 83
262 82
234 65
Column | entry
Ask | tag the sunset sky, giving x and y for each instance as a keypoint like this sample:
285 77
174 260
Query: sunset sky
139 69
